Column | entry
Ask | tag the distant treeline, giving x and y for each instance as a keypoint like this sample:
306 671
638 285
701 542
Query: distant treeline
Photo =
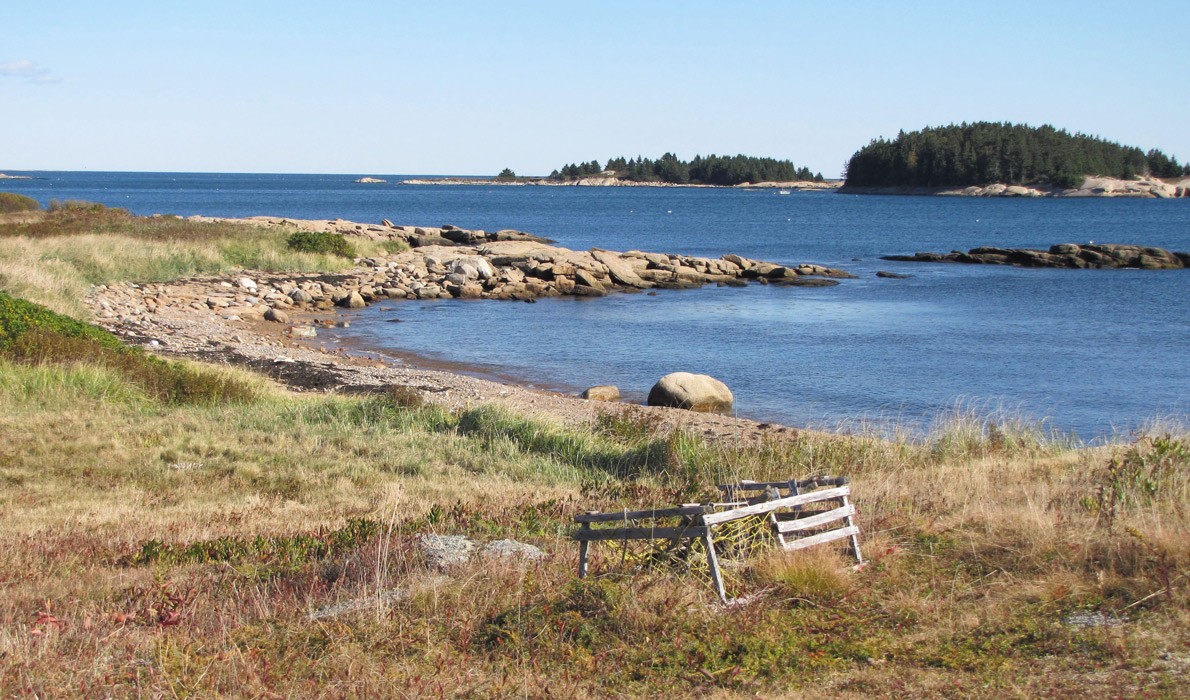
708 170
987 152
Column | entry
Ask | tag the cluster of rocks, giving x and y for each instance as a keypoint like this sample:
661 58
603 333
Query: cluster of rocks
476 265
445 263
999 190
1143 187
692 392
521 270
442 553
1151 188
1066 255
413 236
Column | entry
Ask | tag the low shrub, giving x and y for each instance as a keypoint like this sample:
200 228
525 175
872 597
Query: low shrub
1153 470
320 242
18 318
11 202
290 550
81 205
32 334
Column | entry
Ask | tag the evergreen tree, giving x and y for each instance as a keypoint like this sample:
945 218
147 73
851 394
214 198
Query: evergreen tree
982 153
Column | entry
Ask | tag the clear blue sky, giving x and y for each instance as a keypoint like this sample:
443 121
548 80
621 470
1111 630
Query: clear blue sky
473 87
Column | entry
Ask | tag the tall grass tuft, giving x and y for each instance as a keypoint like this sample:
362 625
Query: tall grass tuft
967 432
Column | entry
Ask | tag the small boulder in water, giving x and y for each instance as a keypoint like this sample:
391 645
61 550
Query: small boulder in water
602 393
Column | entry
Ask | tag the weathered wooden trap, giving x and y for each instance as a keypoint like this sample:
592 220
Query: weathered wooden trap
800 514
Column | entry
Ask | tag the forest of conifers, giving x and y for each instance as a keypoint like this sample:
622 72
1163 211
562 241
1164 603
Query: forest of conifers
708 170
989 152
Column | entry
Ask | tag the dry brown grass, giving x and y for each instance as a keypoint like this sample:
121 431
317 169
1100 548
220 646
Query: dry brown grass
157 549
148 549
56 260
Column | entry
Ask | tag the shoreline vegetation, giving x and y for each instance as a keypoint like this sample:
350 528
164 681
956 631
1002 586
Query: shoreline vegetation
190 526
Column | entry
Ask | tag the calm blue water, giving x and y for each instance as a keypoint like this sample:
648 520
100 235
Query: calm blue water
1097 353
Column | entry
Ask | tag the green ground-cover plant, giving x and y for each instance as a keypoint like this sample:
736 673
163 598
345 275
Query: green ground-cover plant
32 334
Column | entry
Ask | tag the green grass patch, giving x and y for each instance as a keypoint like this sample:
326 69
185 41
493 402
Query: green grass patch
276 550
33 335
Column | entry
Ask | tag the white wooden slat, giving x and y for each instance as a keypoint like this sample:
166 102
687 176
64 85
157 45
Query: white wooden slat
768 506
788 526
820 538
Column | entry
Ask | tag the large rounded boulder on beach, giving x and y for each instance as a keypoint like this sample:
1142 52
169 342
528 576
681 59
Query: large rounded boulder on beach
694 392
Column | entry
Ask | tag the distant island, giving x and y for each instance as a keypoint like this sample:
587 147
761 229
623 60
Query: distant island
995 153
981 159
666 171
722 171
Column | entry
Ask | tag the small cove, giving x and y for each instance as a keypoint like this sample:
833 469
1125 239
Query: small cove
1096 352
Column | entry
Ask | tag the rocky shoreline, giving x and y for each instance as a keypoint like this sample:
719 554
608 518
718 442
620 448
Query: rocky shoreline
1143 188
271 322
1065 255
449 262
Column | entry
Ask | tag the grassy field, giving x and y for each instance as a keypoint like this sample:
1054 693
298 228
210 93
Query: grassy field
55 257
176 544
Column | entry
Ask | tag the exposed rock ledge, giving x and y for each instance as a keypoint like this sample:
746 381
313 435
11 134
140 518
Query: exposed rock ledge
371 181
1070 255
450 262
1151 188
14 177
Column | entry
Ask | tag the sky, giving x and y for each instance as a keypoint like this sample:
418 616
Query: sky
474 87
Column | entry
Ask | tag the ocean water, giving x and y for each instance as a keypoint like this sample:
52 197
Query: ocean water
1095 353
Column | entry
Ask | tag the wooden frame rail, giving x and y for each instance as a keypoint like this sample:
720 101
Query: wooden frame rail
783 502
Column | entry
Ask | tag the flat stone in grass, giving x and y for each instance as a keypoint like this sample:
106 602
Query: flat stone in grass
511 549
445 551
